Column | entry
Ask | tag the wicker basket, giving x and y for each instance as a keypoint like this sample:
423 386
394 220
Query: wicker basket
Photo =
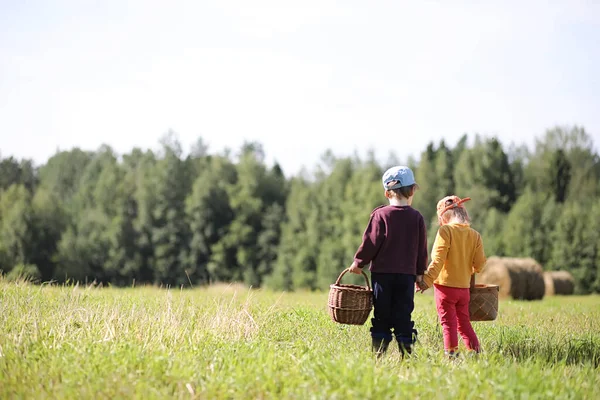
484 302
350 304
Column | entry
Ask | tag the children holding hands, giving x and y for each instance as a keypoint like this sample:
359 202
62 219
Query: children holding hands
394 244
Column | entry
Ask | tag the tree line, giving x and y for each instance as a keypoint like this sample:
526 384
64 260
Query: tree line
158 217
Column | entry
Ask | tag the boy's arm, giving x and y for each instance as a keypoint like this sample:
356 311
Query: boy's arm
372 240
479 258
438 256
422 250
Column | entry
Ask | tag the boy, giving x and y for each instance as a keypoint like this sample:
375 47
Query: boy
395 244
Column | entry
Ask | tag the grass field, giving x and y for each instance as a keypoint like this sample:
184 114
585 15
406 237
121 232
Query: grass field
229 342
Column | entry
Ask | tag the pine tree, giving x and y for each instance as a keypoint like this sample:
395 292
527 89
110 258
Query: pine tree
492 233
364 193
565 158
562 167
63 171
14 172
83 248
170 233
209 214
295 266
594 238
444 169
268 240
331 259
16 227
576 244
50 220
426 175
141 185
101 228
528 228
484 174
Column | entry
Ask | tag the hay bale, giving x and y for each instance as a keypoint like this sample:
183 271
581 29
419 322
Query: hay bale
495 273
520 278
561 282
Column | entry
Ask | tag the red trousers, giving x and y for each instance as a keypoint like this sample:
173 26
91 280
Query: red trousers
453 309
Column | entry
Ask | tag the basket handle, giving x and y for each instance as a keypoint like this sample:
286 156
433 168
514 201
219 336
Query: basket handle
472 282
348 269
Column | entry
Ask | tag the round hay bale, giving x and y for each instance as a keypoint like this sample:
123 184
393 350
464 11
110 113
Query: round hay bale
520 278
495 273
562 282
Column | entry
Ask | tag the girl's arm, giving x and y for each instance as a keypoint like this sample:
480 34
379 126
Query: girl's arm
438 255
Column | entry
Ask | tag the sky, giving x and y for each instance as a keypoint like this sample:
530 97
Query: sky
300 77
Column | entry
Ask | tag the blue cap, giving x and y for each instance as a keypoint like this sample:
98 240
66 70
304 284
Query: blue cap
397 177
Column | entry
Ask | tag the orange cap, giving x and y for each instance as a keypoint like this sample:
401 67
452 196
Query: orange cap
449 202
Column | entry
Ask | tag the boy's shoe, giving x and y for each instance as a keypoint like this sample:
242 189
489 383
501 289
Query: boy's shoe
405 345
405 349
380 346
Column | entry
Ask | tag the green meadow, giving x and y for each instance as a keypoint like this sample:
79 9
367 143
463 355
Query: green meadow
229 342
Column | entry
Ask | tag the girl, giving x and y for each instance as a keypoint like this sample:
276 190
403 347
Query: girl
457 254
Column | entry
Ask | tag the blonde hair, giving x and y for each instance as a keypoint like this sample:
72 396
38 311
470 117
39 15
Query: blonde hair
458 215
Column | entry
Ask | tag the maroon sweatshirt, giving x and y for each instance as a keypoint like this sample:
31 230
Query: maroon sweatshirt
395 241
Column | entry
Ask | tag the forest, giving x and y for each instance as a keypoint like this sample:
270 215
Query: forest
159 217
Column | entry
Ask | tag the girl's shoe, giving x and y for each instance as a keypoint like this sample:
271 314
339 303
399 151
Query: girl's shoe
472 353
452 354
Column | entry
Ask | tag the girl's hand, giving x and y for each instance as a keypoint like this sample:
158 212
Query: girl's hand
354 268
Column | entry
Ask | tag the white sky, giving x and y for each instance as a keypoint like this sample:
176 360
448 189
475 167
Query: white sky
299 77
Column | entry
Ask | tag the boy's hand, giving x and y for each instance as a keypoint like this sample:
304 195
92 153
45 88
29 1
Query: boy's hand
421 285
354 268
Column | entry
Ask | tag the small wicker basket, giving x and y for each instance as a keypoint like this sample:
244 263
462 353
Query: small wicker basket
484 302
350 304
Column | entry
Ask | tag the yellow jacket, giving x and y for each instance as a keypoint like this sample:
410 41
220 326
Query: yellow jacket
457 253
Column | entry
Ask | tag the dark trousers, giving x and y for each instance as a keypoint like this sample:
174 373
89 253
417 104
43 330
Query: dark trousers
393 301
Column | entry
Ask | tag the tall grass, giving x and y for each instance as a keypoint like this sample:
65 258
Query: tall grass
230 342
